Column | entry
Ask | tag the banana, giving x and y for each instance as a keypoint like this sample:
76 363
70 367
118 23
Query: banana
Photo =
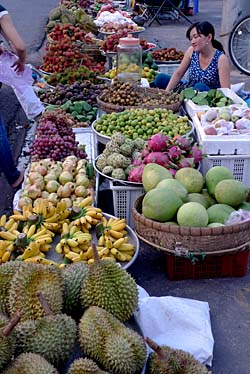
89 253
18 217
31 251
77 259
94 214
9 224
125 247
104 221
118 226
120 256
31 231
72 242
44 240
73 230
116 234
64 214
85 202
103 251
33 259
45 261
5 243
3 220
59 249
8 235
71 255
118 243
53 219
65 229
53 226
66 248
93 208
38 234
101 241
82 220
6 255
45 247
91 261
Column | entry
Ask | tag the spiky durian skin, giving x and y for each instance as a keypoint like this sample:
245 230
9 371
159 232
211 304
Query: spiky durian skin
73 276
7 271
6 343
30 363
110 287
115 347
178 362
27 282
53 337
85 366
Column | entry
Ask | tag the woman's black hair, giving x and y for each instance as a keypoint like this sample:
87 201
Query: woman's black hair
205 28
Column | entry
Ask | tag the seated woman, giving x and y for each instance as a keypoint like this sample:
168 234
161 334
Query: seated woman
205 60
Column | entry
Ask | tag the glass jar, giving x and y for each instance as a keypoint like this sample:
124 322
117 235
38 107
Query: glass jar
129 60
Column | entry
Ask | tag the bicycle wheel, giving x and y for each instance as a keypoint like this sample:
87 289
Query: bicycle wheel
239 45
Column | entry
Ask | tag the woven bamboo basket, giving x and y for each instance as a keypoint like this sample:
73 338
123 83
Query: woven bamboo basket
180 240
143 92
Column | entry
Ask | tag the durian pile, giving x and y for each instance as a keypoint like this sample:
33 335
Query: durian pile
31 235
118 156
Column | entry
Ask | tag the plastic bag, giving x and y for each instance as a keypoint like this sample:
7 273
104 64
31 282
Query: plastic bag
179 323
21 82
238 216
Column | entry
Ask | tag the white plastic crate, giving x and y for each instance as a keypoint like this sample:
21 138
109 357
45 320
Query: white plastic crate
221 144
238 164
170 69
124 197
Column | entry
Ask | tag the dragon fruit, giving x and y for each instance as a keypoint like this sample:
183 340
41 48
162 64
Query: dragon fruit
135 175
197 154
158 142
186 162
183 143
145 152
174 152
160 158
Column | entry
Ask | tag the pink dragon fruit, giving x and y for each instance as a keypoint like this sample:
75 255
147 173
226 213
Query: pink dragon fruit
160 158
137 162
183 143
158 142
174 152
135 174
145 151
186 162
172 171
197 154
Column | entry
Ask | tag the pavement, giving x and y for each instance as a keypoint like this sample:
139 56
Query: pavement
228 298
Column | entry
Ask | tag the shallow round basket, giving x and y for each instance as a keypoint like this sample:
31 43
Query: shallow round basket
140 29
124 182
174 239
103 139
170 62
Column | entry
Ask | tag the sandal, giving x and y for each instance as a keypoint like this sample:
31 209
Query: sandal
18 183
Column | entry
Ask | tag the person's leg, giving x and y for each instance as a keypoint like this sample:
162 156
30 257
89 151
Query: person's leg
7 165
161 80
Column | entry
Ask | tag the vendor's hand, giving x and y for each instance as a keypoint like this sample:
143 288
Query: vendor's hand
2 48
18 66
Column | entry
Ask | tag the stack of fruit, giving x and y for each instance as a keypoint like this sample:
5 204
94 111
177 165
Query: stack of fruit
114 27
70 76
168 54
149 68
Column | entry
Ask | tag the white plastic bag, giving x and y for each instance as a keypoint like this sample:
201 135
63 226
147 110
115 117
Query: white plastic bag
21 82
179 323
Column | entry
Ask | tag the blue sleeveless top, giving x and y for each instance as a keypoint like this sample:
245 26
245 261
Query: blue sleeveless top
209 76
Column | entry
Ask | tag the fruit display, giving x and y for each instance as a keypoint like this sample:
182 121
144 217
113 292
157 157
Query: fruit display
120 342
66 32
118 155
232 120
114 27
168 54
149 74
212 98
70 76
126 94
193 201
30 363
143 123
80 110
164 359
55 138
69 180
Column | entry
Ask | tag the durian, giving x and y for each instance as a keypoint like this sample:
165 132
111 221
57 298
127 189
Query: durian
30 279
166 360
73 276
85 366
7 341
7 271
30 363
118 349
110 287
52 336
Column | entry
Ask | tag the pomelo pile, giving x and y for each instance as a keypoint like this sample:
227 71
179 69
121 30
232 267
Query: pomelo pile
189 199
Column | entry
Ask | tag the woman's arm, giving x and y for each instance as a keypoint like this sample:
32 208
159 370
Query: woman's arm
224 71
178 74
11 35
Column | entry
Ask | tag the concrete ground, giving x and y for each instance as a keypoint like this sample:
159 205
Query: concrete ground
228 298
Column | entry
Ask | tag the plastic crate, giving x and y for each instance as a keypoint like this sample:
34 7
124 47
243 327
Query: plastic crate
124 197
231 265
238 164
170 69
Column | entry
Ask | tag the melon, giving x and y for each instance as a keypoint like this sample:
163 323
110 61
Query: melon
160 204
215 175
192 214
191 178
230 192
219 213
176 186
153 174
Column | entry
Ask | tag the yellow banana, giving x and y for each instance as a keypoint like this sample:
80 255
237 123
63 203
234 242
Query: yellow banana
38 234
44 240
7 235
89 252
73 230
110 221
31 251
64 214
31 231
118 243
5 243
116 234
65 229
33 259
103 251
72 243
85 202
13 227
54 226
93 208
125 247
101 240
61 206
6 255
118 226
91 261
45 247
104 221
77 259
52 219
82 220
45 261
71 255
66 248
59 249
113 259
9 224
18 217
3 220
94 214
120 256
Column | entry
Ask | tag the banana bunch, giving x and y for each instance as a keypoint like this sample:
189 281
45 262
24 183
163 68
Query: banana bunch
73 243
84 215
7 225
113 242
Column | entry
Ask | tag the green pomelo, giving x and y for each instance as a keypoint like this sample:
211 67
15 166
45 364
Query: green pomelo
245 206
192 214
160 204
198 198
219 213
153 174
191 178
175 186
230 192
215 224
171 223
216 175
208 197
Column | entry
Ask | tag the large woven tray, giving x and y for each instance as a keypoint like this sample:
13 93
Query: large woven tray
182 240
143 92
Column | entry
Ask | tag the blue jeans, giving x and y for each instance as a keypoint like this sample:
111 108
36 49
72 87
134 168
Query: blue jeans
161 81
7 164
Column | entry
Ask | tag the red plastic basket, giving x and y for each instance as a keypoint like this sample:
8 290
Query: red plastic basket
233 265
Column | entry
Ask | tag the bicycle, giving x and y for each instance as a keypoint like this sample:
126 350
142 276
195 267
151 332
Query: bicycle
239 45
